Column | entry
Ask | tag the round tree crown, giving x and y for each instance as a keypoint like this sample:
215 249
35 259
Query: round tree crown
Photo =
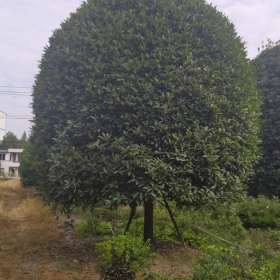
137 99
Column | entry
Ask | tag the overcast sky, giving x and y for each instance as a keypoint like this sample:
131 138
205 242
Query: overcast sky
26 25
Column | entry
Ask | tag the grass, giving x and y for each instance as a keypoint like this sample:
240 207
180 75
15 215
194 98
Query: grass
33 245
215 232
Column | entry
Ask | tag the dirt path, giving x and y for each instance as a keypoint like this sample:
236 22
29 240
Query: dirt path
33 245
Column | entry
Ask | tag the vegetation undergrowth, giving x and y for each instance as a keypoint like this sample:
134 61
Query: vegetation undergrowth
234 242
260 212
123 256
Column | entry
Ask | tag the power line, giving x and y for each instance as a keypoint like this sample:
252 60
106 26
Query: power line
15 94
13 91
27 118
18 117
15 87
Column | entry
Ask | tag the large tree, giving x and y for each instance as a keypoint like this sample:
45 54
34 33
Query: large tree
141 100
267 179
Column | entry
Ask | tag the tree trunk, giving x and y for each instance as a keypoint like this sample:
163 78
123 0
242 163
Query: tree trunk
149 220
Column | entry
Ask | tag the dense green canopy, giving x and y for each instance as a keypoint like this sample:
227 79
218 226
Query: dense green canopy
141 99
267 180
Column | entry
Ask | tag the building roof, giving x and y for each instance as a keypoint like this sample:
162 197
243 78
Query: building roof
15 150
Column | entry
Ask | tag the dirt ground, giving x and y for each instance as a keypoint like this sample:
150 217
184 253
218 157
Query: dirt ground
34 245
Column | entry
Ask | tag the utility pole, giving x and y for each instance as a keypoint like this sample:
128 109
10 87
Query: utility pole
2 125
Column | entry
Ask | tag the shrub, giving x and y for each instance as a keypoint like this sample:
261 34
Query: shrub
260 212
93 225
221 263
137 226
123 252
269 271
215 265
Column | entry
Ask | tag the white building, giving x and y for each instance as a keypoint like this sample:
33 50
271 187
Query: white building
10 162
2 125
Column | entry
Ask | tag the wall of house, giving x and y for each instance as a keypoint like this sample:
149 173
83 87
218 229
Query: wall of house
7 164
10 166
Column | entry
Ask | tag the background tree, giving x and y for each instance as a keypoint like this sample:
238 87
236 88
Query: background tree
9 141
29 165
144 100
267 179
23 139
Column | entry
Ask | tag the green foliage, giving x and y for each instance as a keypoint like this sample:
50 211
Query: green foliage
125 251
220 263
223 222
268 271
86 226
29 166
260 212
214 267
249 255
267 179
91 225
136 99
10 141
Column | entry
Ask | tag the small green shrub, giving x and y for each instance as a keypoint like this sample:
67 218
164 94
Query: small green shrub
260 212
215 265
137 227
270 270
195 239
92 225
124 251
103 228
221 263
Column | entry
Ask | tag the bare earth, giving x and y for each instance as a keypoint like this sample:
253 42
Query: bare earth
34 245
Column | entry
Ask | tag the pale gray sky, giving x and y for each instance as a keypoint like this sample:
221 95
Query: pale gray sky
26 25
